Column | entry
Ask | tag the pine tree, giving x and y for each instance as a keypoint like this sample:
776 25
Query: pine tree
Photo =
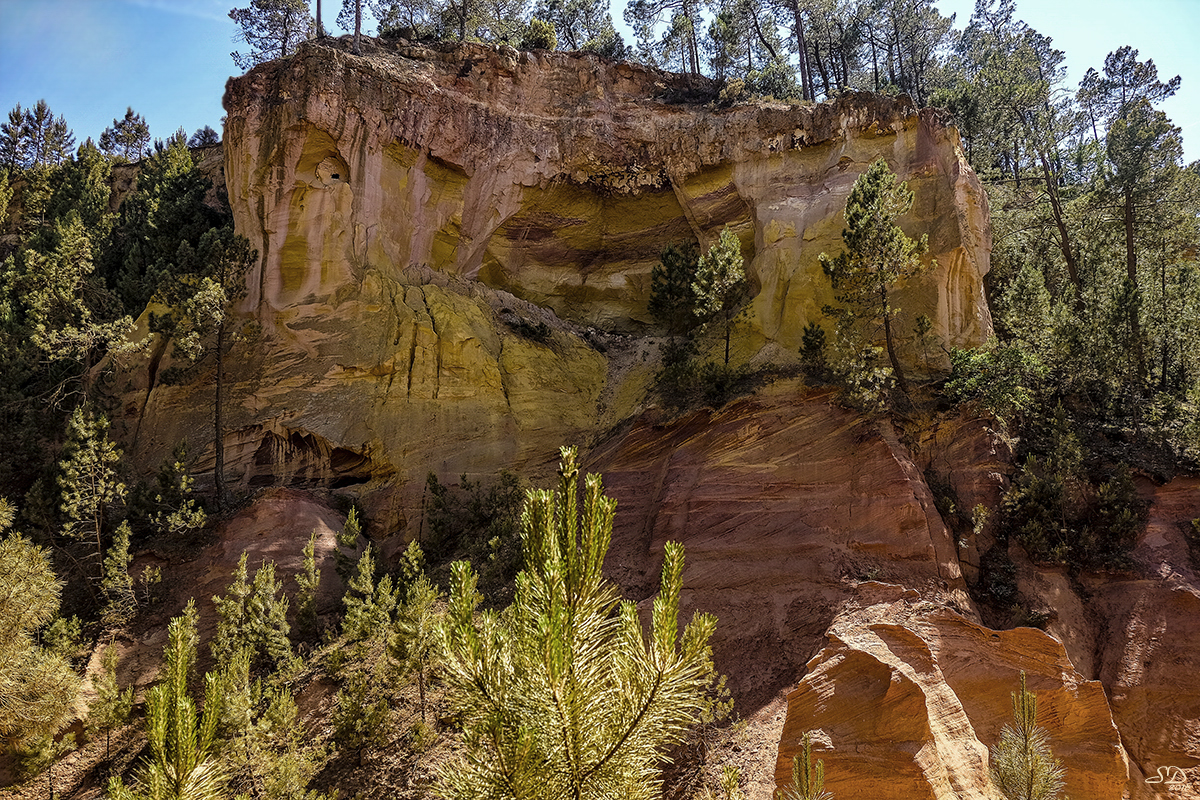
179 513
1023 766
88 477
878 254
182 763
40 753
808 783
253 617
204 137
14 140
360 716
127 138
120 603
204 284
37 688
416 631
584 25
720 286
1144 149
33 138
369 605
66 309
271 28
306 597
347 540
561 696
673 302
112 706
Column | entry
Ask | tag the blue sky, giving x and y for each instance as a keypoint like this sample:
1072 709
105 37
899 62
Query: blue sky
169 59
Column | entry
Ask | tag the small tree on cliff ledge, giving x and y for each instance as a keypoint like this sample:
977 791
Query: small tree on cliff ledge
271 28
877 254
560 696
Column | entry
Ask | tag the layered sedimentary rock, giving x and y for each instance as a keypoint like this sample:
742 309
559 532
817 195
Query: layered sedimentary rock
455 248
560 177
906 698
784 502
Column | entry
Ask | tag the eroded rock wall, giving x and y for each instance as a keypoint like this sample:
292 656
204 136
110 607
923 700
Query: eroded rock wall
560 177
455 253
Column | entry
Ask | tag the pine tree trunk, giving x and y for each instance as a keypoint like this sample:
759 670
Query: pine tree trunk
806 88
1135 327
218 428
891 348
357 26
421 689
1064 235
728 326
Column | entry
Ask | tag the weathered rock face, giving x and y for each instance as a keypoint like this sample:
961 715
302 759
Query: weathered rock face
906 698
442 231
560 178
455 256
784 502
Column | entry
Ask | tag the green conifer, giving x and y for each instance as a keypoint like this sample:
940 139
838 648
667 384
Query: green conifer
369 605
720 286
37 687
1023 766
88 476
808 781
112 704
120 603
877 254
306 597
416 631
561 695
253 617
182 763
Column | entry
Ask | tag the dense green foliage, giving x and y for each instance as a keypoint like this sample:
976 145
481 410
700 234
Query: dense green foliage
561 695
877 256
37 687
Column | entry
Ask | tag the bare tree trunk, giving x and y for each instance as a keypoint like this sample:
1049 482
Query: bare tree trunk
1060 222
806 87
218 425
320 30
761 38
357 26
891 346
1135 326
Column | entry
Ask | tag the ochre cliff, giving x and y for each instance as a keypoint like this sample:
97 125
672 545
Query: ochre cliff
455 247
419 211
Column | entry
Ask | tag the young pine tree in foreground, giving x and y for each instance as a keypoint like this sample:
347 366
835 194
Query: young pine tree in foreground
112 706
808 782
560 695
182 765
1023 767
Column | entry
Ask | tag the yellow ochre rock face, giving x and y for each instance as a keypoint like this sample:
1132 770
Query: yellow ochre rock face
559 178
455 248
